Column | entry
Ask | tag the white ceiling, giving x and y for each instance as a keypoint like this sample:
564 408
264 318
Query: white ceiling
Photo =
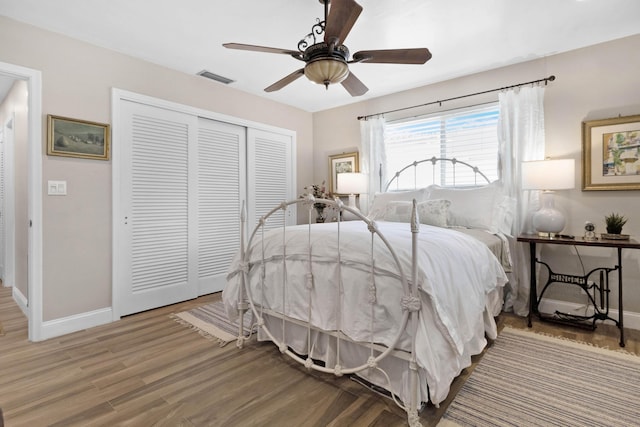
464 36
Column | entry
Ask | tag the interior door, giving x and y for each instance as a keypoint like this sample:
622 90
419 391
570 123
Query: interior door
271 176
221 188
158 227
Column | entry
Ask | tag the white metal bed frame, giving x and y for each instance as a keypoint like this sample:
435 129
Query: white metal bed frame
433 160
410 302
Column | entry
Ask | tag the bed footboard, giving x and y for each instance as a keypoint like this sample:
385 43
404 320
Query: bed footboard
269 282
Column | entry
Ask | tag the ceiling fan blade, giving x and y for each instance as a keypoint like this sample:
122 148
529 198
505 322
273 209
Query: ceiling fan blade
354 86
285 81
393 56
255 48
342 16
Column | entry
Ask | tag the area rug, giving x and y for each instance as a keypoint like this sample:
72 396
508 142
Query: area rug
525 379
211 321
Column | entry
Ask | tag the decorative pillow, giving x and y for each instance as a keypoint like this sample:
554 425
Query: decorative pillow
470 207
434 212
380 200
397 212
431 212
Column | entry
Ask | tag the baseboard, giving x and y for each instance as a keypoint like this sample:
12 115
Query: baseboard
549 306
21 300
77 322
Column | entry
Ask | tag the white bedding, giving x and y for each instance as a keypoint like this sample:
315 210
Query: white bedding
458 279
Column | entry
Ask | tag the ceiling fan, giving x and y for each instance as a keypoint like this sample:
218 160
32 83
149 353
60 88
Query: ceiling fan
327 61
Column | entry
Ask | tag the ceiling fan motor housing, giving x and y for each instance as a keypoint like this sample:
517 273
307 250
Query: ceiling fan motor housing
326 65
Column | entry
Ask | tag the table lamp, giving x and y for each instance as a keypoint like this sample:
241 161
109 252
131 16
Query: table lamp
548 176
352 184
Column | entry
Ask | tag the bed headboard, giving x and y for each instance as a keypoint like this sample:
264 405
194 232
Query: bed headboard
475 202
479 177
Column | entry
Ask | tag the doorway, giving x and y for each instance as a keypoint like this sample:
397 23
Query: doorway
31 303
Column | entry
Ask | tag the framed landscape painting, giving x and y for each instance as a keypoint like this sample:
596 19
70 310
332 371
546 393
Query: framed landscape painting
77 138
341 163
611 154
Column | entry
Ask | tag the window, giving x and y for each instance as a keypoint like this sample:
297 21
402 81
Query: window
469 135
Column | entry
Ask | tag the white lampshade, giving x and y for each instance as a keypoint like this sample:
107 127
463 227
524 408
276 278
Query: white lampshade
548 175
557 174
352 183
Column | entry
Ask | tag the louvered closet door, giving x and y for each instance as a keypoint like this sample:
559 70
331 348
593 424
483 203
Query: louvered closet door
221 189
159 224
270 160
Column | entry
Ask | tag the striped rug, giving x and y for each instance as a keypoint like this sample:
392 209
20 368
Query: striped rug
211 321
525 379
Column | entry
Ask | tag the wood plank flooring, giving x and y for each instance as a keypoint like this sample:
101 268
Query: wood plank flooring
148 370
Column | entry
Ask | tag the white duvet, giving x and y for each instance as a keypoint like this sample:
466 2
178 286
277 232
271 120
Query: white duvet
457 277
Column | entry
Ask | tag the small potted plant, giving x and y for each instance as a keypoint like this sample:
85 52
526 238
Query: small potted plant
614 223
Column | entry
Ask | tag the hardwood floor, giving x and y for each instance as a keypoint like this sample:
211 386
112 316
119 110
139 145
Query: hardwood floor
148 370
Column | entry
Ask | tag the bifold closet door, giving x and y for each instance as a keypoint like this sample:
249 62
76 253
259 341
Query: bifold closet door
158 223
221 189
271 177
183 180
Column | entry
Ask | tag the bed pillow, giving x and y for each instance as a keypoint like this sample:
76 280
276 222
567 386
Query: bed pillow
380 200
430 212
471 207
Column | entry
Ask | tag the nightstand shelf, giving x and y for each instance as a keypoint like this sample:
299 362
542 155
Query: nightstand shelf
597 290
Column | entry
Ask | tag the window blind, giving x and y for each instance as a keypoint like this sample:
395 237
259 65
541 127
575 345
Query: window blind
469 135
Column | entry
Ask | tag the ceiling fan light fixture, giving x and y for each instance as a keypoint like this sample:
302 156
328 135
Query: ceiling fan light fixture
326 71
326 57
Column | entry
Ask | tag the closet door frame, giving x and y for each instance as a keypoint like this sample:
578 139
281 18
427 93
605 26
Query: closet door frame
119 95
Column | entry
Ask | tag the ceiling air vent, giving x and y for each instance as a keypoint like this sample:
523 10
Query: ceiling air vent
212 76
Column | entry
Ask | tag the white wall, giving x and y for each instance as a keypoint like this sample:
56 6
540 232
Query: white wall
77 79
597 82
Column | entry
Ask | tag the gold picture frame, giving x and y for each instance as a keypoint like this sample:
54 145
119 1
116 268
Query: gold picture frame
611 154
341 163
77 138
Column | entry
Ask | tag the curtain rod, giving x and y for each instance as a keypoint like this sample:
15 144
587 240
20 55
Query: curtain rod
545 80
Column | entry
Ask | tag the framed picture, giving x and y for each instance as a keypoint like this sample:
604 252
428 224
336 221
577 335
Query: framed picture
341 163
77 138
611 154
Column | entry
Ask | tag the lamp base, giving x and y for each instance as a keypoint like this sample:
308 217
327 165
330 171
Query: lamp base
348 216
548 221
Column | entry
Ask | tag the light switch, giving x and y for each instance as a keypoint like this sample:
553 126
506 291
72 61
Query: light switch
57 188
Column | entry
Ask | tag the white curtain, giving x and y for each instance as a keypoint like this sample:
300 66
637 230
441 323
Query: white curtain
372 156
521 135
